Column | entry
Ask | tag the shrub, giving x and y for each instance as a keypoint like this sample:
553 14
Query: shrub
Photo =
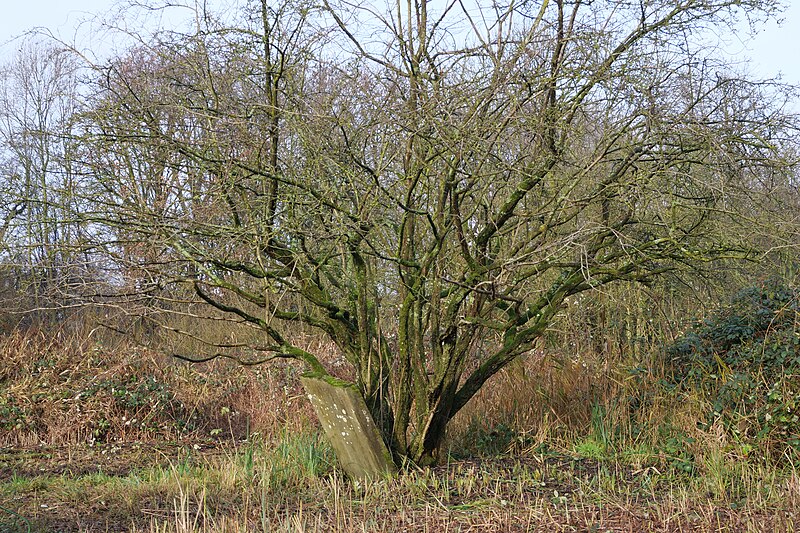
746 359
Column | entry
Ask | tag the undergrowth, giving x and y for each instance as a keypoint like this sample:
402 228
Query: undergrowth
58 389
745 358
689 434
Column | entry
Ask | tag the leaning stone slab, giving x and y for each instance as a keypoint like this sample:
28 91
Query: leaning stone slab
349 427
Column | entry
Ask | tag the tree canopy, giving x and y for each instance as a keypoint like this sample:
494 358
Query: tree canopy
423 184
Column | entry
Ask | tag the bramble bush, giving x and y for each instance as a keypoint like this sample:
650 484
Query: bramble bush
745 359
63 388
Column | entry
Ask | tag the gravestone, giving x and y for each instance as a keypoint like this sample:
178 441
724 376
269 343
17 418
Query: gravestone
349 427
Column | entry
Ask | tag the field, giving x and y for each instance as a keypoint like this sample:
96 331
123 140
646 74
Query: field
100 435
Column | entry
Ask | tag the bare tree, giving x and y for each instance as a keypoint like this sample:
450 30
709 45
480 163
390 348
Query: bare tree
38 102
428 188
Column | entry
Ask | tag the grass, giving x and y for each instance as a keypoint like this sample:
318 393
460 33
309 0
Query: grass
290 485
547 445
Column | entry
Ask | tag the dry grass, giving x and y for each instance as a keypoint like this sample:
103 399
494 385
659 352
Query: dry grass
280 487
64 389
216 447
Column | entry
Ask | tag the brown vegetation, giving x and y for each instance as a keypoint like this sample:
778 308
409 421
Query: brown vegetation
546 446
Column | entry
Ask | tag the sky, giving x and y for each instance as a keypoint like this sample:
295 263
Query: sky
775 48
774 51
59 16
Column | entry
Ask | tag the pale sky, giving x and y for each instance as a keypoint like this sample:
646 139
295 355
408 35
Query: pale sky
775 49
59 16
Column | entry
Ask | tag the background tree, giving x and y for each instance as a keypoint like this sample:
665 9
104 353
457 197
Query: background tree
424 192
38 104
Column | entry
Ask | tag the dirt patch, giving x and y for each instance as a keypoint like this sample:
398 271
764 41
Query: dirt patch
91 488
111 459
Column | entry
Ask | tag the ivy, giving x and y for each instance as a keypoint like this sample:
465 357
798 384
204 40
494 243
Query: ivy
745 358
